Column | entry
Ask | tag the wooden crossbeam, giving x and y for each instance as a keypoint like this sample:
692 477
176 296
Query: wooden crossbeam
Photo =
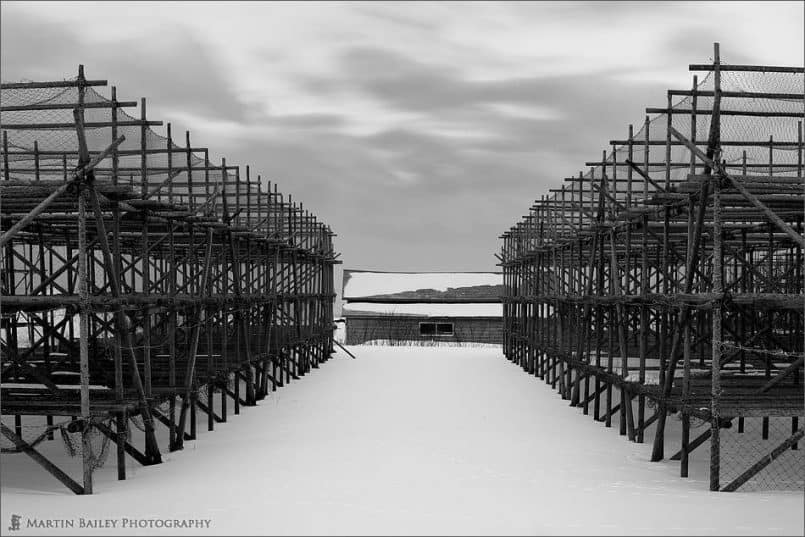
698 441
166 422
44 204
782 375
40 459
207 409
133 452
764 461
344 349
614 410
738 185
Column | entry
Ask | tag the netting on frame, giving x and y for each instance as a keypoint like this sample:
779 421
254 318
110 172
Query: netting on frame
740 451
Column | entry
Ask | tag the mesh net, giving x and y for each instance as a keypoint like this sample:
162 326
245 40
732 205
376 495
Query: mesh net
621 277
42 144
741 450
69 433
741 135
164 206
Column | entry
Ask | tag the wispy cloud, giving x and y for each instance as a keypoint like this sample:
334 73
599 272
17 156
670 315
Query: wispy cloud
419 131
176 69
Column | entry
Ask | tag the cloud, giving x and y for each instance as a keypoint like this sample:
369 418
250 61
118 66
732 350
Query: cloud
694 44
308 121
573 115
407 83
458 169
396 198
419 132
401 18
175 68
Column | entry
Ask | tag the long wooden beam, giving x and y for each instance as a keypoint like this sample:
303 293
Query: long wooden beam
40 459
764 461
739 186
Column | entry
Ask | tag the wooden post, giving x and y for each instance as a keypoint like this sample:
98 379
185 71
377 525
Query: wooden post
713 143
122 438
83 291
5 156
51 468
718 290
189 398
84 340
116 254
686 345
146 263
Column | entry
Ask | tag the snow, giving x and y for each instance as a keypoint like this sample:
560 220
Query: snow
428 310
407 440
340 333
428 343
24 324
359 283
35 386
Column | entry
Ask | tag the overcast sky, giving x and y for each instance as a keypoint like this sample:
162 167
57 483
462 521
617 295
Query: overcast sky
418 131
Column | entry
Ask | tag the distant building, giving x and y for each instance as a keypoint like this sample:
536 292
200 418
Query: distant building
394 307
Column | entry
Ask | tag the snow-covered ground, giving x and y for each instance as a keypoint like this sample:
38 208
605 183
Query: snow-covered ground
407 440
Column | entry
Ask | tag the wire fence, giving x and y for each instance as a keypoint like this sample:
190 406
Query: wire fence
69 434
742 449
194 270
696 297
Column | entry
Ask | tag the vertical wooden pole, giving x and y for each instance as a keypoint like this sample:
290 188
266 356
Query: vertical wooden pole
191 200
122 438
600 320
83 293
718 290
172 314
146 262
798 274
666 380
5 156
117 259
84 339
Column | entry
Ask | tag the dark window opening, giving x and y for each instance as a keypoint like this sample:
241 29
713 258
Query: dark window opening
435 329
444 329
427 329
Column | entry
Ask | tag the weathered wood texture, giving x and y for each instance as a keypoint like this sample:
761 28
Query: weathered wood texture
672 271
400 329
188 276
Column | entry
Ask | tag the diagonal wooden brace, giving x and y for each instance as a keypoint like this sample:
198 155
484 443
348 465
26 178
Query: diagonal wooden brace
738 185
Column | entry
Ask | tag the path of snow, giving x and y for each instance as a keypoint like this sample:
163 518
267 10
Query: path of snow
409 440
